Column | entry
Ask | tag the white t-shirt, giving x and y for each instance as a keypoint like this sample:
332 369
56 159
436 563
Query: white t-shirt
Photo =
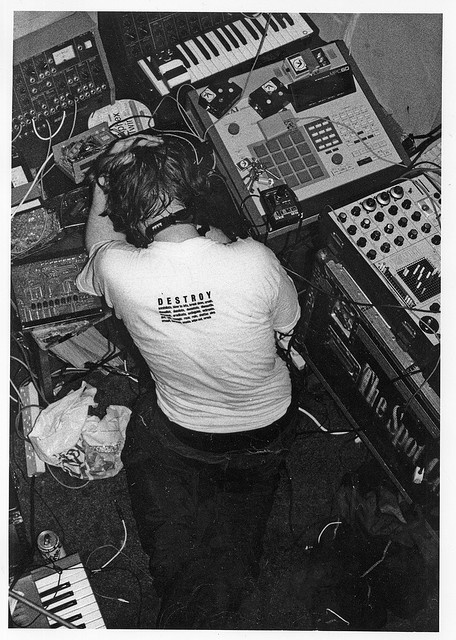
203 315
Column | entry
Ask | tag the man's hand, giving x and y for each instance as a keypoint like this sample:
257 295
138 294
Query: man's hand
137 140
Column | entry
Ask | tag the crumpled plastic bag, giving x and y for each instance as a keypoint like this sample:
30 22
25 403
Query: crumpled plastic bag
86 447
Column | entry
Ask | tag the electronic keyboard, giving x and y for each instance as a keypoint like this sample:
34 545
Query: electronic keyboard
204 44
62 588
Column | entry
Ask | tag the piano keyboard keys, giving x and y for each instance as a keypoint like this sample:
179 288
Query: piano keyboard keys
68 594
227 45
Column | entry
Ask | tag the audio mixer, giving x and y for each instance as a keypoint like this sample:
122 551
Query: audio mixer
390 242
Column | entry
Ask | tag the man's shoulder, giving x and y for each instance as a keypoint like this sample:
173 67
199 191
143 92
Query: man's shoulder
252 247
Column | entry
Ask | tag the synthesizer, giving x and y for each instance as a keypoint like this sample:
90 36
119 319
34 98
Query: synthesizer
60 72
389 241
64 590
45 291
328 149
197 46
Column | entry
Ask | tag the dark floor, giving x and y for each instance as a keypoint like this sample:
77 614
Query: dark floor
86 519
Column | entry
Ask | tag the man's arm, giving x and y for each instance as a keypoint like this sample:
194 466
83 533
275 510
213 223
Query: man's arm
99 228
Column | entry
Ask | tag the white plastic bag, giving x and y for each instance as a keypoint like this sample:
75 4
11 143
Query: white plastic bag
84 446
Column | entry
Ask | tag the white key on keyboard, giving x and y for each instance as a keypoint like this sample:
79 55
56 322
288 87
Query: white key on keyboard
223 60
201 70
250 47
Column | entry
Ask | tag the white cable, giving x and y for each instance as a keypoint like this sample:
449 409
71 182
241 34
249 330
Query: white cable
119 551
336 522
378 561
320 426
336 614
51 135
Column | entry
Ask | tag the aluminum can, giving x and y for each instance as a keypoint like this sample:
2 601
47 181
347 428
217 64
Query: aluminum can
49 546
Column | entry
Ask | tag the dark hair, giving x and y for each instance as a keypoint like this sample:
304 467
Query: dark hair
142 181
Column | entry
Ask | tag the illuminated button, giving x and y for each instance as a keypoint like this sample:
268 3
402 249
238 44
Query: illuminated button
385 248
436 239
383 197
402 222
356 211
379 216
389 228
365 223
399 240
413 234
342 217
416 215
393 210
397 192
371 254
351 230
369 204
375 235
361 242
426 227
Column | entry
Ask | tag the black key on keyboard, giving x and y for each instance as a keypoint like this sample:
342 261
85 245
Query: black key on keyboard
247 24
202 48
256 24
278 17
288 18
272 24
210 45
222 39
189 54
238 34
229 35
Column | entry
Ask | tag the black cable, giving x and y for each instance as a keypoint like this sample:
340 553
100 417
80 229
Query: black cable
429 134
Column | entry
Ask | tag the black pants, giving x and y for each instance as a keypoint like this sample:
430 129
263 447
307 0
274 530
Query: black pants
201 504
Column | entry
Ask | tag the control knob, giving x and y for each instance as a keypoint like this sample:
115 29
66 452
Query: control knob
356 211
369 204
383 197
397 192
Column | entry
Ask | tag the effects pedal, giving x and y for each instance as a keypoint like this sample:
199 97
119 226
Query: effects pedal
218 97
281 206
270 98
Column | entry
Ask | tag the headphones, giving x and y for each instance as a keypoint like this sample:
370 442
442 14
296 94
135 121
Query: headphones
179 217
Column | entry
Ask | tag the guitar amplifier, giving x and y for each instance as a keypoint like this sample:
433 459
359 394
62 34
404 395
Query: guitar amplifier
389 400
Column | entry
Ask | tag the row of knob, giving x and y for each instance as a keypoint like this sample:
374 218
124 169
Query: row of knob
54 302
